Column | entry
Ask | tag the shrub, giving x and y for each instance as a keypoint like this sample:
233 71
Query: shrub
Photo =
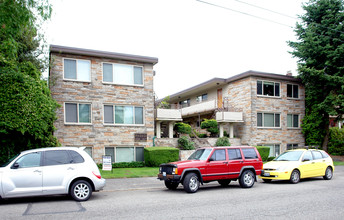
336 141
154 156
264 152
133 164
185 143
211 126
271 158
182 128
223 141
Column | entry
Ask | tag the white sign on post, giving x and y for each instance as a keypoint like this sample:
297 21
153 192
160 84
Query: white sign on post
107 163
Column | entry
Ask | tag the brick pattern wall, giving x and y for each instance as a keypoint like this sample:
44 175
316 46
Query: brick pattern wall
243 95
97 135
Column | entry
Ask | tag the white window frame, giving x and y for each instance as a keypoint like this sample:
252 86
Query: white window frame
77 111
274 113
201 98
292 122
76 80
273 96
298 91
115 148
114 115
113 74
293 146
272 154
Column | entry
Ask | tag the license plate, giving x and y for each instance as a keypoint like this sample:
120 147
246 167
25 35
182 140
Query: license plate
164 173
266 174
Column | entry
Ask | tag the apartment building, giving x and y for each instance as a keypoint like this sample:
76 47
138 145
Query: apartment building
255 107
106 101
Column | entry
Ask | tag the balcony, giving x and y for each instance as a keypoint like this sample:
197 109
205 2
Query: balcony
204 107
229 117
168 115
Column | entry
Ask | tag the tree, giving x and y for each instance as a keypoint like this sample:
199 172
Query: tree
320 50
27 110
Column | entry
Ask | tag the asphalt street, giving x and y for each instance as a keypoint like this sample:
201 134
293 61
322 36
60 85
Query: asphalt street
147 198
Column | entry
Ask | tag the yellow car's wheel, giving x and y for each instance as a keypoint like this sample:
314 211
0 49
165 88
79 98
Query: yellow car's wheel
328 173
295 177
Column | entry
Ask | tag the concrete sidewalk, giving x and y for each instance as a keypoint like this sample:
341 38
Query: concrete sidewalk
125 184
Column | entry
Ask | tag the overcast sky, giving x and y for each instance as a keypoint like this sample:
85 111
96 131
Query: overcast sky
193 40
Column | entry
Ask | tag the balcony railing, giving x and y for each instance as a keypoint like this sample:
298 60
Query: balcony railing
168 115
203 107
229 117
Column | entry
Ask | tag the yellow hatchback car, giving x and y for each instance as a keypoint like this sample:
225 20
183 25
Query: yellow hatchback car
294 165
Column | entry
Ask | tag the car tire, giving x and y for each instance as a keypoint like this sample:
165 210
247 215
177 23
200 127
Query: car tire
294 177
191 183
247 179
328 173
224 183
171 185
267 180
81 191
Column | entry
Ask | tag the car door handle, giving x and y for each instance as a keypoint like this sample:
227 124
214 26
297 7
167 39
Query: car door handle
70 168
225 162
37 171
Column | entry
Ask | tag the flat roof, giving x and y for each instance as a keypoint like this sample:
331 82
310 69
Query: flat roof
218 82
103 54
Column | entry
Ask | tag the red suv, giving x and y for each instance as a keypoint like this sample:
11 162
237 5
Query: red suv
221 164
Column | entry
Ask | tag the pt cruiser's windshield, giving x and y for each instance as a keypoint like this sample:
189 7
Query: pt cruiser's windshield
201 154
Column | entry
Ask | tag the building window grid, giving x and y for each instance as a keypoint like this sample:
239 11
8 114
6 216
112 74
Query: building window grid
202 98
111 74
136 156
275 149
293 91
293 121
136 115
292 146
268 88
81 67
268 120
82 114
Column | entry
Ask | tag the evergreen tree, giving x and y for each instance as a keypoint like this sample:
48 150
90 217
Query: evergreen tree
320 50
27 110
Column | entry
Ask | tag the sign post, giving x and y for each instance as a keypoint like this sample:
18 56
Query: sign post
107 163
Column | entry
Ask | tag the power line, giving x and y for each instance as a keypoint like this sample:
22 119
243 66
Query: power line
244 13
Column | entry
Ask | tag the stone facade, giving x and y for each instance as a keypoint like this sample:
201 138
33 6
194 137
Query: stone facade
97 135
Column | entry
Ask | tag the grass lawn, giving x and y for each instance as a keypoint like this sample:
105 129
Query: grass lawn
338 163
130 172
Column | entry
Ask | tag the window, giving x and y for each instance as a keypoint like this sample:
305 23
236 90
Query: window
292 121
77 113
219 155
266 88
202 98
292 91
78 70
56 157
88 150
125 154
234 154
122 74
128 115
249 153
292 146
308 156
317 155
185 103
76 157
29 160
274 149
269 120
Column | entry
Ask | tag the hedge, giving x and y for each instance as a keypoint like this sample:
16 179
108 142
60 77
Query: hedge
154 156
336 141
264 152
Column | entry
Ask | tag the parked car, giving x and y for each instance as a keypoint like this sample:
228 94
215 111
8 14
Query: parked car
222 164
50 171
294 165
